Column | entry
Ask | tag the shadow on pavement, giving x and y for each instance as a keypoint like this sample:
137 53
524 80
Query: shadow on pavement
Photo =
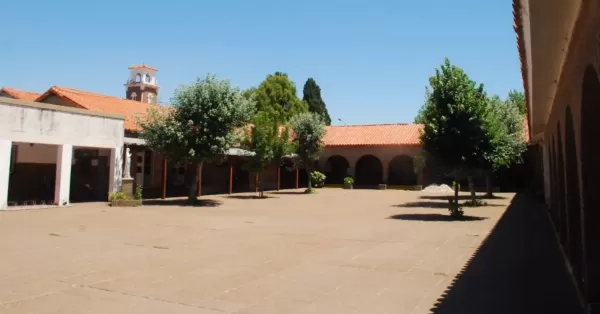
289 192
460 197
438 204
249 197
435 217
202 202
517 269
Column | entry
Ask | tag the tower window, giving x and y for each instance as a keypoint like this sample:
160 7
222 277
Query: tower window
133 96
148 78
138 78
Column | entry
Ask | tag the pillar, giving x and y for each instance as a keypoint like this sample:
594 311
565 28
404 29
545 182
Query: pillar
62 187
5 162
297 178
385 167
278 178
230 175
164 180
115 172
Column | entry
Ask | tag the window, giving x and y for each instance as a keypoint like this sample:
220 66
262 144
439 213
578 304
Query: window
133 96
148 78
138 78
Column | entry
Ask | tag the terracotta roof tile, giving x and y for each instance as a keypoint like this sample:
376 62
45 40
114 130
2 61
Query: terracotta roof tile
142 66
102 103
518 27
20 94
373 135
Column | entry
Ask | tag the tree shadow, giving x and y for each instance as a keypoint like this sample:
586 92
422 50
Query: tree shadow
423 204
460 197
435 217
203 202
517 269
289 192
249 197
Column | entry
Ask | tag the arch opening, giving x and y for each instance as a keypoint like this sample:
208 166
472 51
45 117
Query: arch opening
401 171
369 171
336 169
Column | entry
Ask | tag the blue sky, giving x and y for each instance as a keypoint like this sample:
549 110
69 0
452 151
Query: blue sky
372 58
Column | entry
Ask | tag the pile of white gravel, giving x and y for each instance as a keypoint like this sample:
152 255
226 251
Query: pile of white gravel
443 188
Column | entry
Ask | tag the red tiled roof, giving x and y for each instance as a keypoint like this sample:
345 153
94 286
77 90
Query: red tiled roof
373 135
518 27
102 103
20 94
142 66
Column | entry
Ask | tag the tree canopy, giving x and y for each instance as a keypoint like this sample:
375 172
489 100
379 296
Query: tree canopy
517 99
277 95
454 122
312 96
269 141
308 129
200 124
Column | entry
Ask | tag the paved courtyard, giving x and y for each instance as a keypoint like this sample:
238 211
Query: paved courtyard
338 251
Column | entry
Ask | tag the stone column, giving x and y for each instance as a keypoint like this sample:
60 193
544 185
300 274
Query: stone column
546 175
5 162
62 187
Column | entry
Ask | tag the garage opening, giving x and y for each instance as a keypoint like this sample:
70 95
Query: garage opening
90 174
32 175
369 172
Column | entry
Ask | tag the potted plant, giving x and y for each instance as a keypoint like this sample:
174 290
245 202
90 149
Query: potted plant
348 183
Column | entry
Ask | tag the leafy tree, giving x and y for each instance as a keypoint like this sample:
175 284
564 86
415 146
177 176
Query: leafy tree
277 95
505 127
308 129
454 131
517 99
200 124
269 142
312 96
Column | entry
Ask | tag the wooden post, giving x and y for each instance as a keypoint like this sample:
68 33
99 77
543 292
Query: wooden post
199 171
297 181
230 175
278 178
164 180
256 183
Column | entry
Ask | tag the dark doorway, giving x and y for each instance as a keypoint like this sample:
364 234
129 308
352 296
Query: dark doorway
240 175
32 174
336 169
573 206
564 217
369 171
590 172
287 175
90 175
401 171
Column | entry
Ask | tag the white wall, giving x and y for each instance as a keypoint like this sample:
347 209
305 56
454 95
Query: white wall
58 126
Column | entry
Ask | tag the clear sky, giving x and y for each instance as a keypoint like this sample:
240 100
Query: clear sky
372 58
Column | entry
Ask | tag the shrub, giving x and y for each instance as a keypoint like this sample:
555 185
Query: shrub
476 203
118 196
138 192
318 179
348 180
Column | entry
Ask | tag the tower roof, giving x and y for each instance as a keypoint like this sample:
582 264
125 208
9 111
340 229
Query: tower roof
142 66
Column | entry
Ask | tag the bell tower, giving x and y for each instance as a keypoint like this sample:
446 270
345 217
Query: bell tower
142 85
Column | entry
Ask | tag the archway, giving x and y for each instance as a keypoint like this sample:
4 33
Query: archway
336 169
401 171
573 205
590 171
562 210
369 171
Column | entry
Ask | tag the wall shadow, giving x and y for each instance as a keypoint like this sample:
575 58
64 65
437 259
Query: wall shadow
517 269
460 197
288 192
249 197
439 204
203 202
435 217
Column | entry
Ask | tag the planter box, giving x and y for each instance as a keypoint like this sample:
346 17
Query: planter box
347 186
382 186
125 203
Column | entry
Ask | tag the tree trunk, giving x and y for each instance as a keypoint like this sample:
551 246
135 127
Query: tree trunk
488 185
456 179
309 179
194 188
472 189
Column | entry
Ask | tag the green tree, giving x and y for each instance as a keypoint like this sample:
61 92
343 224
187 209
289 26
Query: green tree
200 126
277 95
308 131
312 96
454 124
268 141
517 99
505 124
